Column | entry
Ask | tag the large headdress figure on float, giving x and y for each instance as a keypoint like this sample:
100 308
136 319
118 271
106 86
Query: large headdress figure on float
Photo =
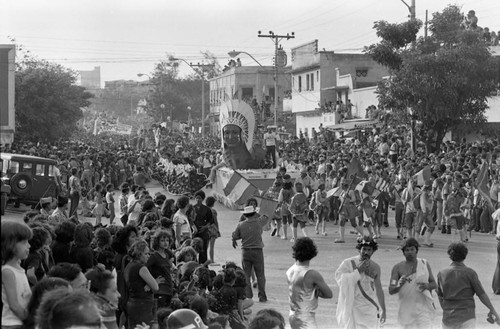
237 122
240 114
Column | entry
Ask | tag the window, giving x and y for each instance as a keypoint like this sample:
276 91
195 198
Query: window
271 93
40 170
307 82
14 167
317 76
361 73
312 81
300 83
27 167
52 171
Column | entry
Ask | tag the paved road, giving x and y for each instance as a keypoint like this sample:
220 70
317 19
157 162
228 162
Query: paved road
278 258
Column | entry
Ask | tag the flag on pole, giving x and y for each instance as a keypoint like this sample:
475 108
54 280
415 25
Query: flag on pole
482 185
238 189
356 172
334 192
368 188
383 185
267 207
423 175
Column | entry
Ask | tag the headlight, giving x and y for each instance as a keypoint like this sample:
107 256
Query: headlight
22 184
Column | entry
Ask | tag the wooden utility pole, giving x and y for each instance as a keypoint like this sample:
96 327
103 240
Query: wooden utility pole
276 38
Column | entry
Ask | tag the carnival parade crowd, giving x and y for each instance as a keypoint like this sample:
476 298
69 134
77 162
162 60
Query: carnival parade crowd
150 266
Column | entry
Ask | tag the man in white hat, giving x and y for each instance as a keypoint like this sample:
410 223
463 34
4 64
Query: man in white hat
249 232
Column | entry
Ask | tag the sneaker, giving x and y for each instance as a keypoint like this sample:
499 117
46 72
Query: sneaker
317 232
292 240
284 237
324 234
423 230
338 241
273 233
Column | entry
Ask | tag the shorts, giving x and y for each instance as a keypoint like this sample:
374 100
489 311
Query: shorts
296 222
287 219
410 220
344 219
457 222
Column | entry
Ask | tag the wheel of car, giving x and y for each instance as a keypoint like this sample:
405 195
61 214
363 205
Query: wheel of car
21 184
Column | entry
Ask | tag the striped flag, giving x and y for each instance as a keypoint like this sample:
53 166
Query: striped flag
238 189
267 207
482 185
383 185
423 175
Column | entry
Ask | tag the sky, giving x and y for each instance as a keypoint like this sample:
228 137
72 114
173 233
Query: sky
127 37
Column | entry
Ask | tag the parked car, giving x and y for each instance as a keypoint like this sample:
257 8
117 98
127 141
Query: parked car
30 178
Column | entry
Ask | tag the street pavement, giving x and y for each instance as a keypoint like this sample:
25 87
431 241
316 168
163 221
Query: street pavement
278 258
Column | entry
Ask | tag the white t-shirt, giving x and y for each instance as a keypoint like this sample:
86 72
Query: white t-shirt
24 295
270 139
181 220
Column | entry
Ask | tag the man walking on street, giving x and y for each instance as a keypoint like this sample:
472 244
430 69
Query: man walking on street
413 281
457 285
305 285
358 278
249 232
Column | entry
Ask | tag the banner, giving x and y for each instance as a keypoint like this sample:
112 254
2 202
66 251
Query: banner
423 175
114 128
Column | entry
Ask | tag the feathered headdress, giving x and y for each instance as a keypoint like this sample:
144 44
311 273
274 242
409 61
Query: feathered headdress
238 113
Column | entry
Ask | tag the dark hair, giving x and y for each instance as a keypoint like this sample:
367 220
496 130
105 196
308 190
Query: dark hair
159 234
62 308
120 240
39 238
272 313
410 242
102 237
264 321
457 251
62 201
66 271
12 233
148 205
240 279
304 249
39 289
83 235
186 251
201 194
74 171
197 244
109 186
99 279
166 208
182 202
229 275
252 200
65 231
200 306
210 201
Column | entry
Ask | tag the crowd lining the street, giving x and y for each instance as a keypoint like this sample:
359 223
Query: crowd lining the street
155 262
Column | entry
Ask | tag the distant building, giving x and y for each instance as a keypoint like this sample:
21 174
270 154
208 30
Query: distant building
91 79
253 84
325 80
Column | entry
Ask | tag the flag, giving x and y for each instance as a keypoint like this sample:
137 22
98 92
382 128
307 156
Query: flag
267 207
334 192
383 185
356 172
238 189
482 185
368 188
423 175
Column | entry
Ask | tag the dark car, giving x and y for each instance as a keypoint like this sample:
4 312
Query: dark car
30 178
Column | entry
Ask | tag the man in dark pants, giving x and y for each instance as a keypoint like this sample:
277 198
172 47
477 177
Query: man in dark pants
252 257
202 220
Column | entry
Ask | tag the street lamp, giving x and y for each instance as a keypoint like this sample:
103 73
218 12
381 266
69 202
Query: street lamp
235 53
202 90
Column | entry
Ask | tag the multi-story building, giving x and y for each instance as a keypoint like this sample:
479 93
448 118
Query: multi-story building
319 85
253 84
91 79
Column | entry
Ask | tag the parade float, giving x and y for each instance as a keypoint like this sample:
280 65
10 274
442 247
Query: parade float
241 174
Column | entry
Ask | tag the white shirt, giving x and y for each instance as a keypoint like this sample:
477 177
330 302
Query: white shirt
270 139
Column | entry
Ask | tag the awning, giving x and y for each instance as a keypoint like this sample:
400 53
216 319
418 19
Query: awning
353 125
336 88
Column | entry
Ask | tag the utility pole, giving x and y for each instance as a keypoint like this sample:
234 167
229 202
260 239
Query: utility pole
411 8
426 24
276 38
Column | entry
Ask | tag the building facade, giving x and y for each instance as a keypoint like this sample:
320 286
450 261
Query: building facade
322 80
91 79
253 84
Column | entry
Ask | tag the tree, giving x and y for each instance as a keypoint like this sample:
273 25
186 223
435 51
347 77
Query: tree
48 103
444 79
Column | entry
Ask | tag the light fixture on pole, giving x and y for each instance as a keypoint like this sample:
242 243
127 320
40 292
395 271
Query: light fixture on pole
235 53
